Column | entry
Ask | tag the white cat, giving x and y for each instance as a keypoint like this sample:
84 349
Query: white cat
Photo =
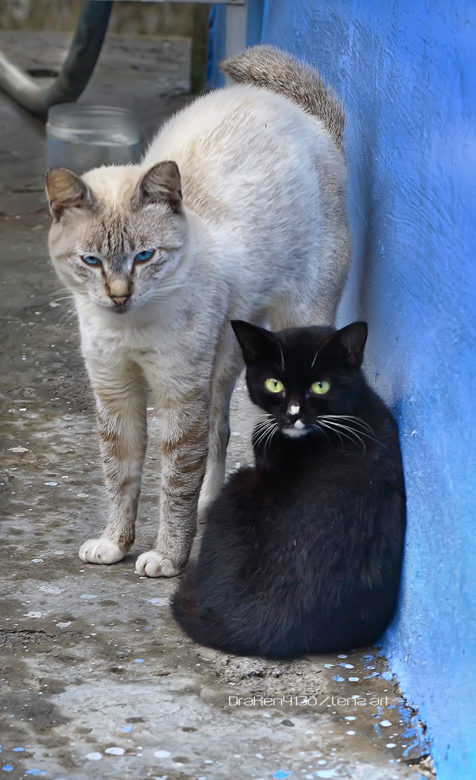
261 234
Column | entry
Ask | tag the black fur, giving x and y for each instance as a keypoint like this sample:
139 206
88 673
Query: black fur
302 553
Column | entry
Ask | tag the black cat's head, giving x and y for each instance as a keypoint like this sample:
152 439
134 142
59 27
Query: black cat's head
304 378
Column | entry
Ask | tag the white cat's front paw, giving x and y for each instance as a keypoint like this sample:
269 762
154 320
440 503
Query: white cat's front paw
153 564
100 551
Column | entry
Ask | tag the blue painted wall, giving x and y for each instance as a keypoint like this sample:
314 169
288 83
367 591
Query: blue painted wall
406 70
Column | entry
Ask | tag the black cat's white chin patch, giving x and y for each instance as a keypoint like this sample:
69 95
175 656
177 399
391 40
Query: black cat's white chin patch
298 429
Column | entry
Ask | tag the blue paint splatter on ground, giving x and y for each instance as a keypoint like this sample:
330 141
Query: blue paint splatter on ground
18 750
7 768
281 774
127 729
139 660
339 679
36 772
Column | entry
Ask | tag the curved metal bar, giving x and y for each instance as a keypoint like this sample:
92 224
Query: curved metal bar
77 67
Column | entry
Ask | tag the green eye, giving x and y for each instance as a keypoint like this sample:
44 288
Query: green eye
319 388
274 386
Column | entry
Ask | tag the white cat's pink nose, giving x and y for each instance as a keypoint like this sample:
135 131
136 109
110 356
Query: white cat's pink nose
120 299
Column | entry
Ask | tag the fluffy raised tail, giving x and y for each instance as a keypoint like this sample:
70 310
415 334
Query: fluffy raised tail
266 66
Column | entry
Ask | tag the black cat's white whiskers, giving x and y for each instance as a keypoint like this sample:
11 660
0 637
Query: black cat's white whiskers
264 439
270 436
261 435
263 430
350 418
337 420
347 431
315 358
321 430
337 432
264 421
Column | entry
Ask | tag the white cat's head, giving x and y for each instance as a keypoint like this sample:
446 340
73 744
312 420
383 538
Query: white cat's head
118 234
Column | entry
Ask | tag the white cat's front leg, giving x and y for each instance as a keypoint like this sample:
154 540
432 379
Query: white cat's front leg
184 454
122 429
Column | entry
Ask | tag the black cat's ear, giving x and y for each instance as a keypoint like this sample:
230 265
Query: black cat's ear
348 344
256 343
161 184
66 190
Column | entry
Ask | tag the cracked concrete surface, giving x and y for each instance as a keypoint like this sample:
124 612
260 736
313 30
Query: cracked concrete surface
97 681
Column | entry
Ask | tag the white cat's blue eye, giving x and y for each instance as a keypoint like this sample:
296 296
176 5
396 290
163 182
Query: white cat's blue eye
142 257
91 260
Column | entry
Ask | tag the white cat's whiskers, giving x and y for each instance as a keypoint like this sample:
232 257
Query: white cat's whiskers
61 298
159 295
60 291
68 316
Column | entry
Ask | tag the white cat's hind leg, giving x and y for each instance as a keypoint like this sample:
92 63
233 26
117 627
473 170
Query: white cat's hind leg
100 551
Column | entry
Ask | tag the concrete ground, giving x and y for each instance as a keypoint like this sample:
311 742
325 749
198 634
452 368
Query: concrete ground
97 680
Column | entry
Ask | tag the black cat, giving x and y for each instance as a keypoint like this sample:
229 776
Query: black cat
303 552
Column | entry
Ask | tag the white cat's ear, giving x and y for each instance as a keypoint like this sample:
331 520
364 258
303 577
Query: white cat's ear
349 342
66 190
161 184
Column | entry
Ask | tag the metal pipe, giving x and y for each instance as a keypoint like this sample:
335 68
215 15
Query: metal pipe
77 67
